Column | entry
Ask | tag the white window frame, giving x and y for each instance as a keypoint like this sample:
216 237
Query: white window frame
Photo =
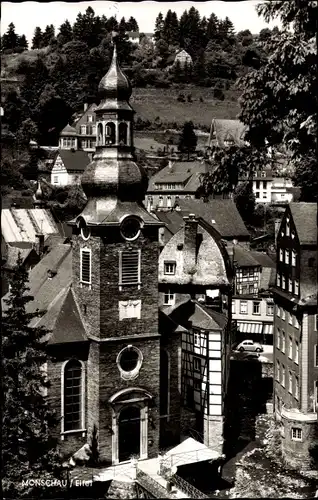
283 282
293 263
290 285
169 270
278 371
278 311
296 395
233 306
83 392
243 302
168 298
283 314
290 318
286 256
290 347
287 227
296 434
196 339
55 179
283 382
278 338
281 255
290 382
258 304
88 250
296 358
83 129
283 344
269 309
296 292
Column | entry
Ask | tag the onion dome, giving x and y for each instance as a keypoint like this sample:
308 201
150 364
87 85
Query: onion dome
115 84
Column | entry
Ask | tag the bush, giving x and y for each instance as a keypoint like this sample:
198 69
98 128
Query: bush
201 98
181 97
189 97
218 94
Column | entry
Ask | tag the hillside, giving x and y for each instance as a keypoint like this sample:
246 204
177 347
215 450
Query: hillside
151 103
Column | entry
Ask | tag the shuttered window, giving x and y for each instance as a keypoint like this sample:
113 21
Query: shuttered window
129 267
86 266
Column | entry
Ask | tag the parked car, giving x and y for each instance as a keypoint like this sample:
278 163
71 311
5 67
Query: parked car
249 345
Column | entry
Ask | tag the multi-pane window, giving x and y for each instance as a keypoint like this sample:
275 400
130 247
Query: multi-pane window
160 201
278 279
283 341
297 434
296 287
283 282
196 364
278 338
283 376
129 267
83 129
287 227
290 348
169 202
296 352
290 382
197 339
290 318
293 258
256 308
290 285
296 388
278 311
168 298
243 306
233 306
281 255
72 408
55 179
278 371
283 314
287 256
169 267
85 265
269 309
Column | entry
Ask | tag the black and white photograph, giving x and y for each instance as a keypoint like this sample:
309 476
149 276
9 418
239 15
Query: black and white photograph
159 189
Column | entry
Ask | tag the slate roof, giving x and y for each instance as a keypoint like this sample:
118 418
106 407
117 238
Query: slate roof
191 314
74 161
179 172
305 220
247 258
228 221
13 253
225 130
21 225
54 297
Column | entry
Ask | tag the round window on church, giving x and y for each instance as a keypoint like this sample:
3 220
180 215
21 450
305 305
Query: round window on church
129 362
130 228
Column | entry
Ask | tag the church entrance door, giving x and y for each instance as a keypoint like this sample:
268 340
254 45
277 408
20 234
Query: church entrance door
129 433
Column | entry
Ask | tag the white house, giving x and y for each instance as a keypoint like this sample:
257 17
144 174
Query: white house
68 167
281 190
134 36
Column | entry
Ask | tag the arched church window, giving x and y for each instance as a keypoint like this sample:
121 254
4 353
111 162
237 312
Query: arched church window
100 134
110 133
123 133
73 385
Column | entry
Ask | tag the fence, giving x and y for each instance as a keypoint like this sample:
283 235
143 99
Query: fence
151 485
187 488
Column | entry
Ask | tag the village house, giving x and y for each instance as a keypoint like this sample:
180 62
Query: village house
135 36
225 133
178 180
81 135
252 301
296 333
68 167
183 59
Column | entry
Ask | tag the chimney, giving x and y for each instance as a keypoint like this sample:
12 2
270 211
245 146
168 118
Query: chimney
277 226
190 243
85 106
39 244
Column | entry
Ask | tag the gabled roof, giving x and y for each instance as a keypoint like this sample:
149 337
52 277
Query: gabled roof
305 220
225 130
21 225
247 258
74 161
69 326
177 172
82 120
13 253
224 213
208 319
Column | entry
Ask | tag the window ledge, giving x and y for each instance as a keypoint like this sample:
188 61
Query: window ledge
73 431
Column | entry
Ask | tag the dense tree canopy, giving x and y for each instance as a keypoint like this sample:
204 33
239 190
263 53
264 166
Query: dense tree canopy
188 140
278 102
27 447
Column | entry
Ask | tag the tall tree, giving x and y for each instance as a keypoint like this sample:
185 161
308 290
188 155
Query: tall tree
22 42
278 100
212 27
170 31
244 199
159 24
132 25
65 34
10 38
28 450
48 35
188 140
37 39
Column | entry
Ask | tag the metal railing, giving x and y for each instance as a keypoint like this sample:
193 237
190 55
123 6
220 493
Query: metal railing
187 488
151 485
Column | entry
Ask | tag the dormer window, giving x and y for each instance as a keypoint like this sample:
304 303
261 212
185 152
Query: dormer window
90 118
287 227
83 129
110 134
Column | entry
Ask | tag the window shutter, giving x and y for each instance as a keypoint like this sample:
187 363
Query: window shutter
85 266
129 267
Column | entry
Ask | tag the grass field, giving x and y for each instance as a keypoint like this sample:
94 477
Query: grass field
150 103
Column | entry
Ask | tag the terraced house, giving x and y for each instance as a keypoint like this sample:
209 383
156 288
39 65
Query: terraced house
296 333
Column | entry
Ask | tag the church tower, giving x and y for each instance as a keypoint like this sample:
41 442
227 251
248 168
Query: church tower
115 286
